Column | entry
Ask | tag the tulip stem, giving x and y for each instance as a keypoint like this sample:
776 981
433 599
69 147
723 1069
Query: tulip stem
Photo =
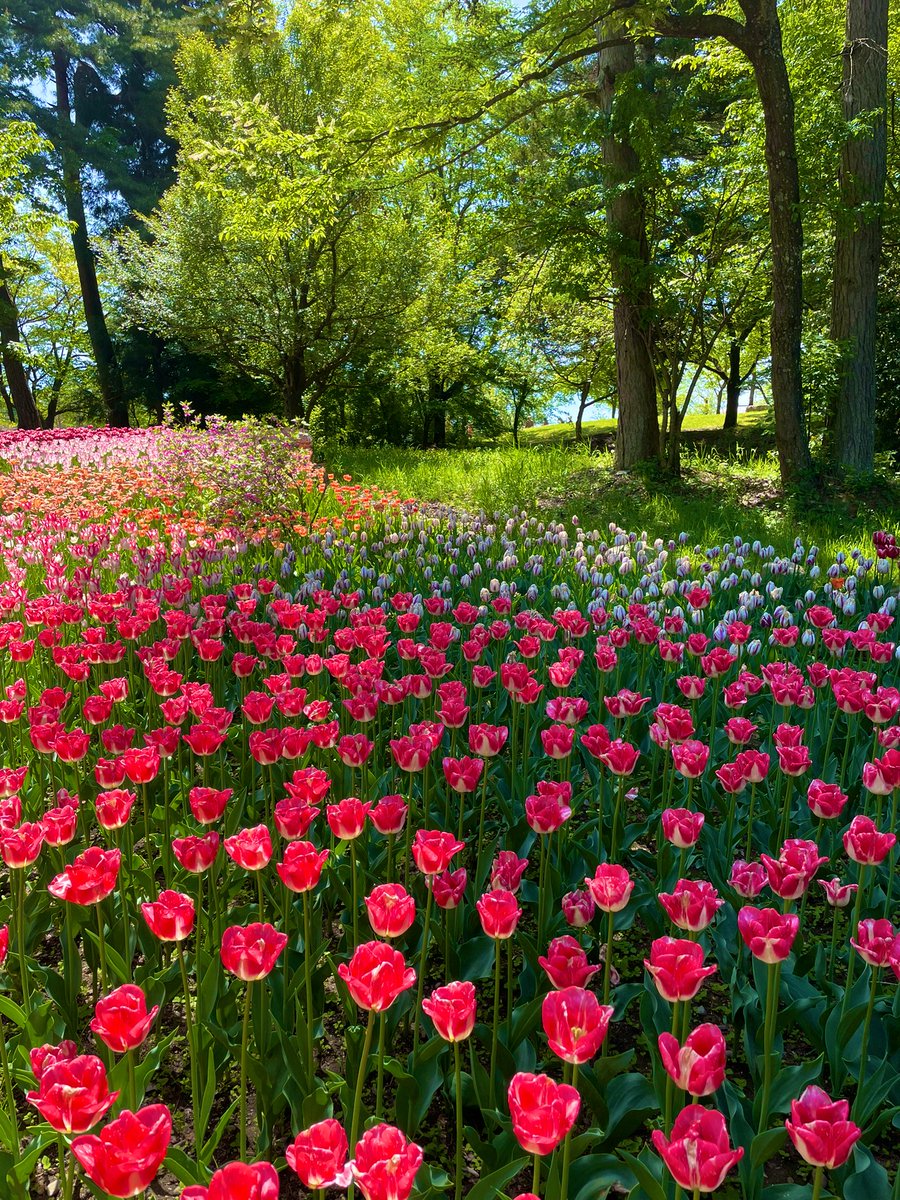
132 1080
10 1094
536 1175
245 1037
864 1048
379 1090
310 1052
817 1183
567 1147
355 885
669 1081
496 1018
20 938
361 1079
457 1071
607 962
773 984
64 1181
854 924
102 940
423 962
192 1048
481 809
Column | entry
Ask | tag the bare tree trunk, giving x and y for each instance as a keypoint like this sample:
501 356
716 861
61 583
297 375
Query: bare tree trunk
732 385
21 395
766 54
583 397
108 373
637 431
857 253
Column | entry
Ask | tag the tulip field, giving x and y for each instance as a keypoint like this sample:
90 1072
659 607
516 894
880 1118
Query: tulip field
352 849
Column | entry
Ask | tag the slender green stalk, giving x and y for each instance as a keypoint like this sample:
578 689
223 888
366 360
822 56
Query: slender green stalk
132 1080
355 884
496 1018
192 1047
245 1038
567 1147
670 1083
457 1072
423 964
102 939
10 1094
854 924
361 1079
379 1089
607 964
773 983
310 1052
20 938
536 1175
864 1048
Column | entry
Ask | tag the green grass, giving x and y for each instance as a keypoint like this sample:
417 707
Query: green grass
716 498
545 435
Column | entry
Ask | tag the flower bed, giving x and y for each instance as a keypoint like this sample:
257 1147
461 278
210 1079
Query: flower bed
446 856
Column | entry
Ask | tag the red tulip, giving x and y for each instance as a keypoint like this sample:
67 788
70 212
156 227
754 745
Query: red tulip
566 963
196 854
389 815
347 819
698 1154
376 975
826 800
876 942
610 887
44 1057
448 889
109 773
251 849
558 741
433 850
251 951
620 757
353 749
682 827
692 905
578 908
768 932
59 825
864 844
507 870
690 758
820 1129
238 1181
171 917
301 868
411 754
754 764
73 1093
208 804
575 1023
487 740
739 730
90 878
21 847
542 1111
463 774
121 1019
794 869
113 808
452 1009
697 1067
142 765
293 818
499 912
838 894
385 1164
677 968
126 1157
391 909
319 1156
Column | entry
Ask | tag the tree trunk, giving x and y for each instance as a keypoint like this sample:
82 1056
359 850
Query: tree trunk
295 387
858 244
766 54
583 397
21 395
108 373
732 385
637 431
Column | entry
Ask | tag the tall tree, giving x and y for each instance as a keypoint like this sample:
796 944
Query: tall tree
628 249
857 255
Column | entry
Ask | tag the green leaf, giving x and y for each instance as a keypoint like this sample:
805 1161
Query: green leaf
209 1147
650 1186
767 1144
185 1171
488 1186
630 1100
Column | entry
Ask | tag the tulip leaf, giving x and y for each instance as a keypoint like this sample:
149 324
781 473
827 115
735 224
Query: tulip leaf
649 1184
488 1186
13 1012
208 1149
867 1179
184 1170
789 1082
767 1144
630 1099
35 1148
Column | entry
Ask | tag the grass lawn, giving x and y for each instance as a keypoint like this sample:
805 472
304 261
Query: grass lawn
547 435
717 497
